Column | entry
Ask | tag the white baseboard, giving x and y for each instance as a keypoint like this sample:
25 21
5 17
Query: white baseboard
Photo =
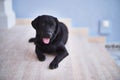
23 21
100 39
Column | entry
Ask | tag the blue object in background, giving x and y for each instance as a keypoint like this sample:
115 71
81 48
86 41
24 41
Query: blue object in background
104 27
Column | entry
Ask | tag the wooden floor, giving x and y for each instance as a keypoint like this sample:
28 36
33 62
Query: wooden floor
87 61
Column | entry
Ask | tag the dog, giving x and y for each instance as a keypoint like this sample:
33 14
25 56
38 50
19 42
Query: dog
51 37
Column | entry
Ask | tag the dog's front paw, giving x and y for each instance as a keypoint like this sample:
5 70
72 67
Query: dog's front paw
41 58
32 39
53 65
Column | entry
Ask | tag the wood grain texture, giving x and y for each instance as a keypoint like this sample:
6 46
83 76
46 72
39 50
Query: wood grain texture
87 61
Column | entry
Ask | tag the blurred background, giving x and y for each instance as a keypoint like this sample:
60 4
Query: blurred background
95 21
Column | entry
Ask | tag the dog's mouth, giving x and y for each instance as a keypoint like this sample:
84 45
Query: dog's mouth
46 40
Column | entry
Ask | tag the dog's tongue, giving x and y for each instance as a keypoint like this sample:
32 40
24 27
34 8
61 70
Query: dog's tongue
46 40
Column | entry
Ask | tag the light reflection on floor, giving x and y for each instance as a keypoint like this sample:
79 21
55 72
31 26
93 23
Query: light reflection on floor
116 55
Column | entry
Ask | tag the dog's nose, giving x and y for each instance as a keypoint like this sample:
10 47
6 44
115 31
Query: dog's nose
49 33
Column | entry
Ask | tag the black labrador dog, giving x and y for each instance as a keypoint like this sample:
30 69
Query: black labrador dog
51 37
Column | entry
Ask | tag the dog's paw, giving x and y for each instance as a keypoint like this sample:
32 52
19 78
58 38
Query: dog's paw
53 65
32 40
42 58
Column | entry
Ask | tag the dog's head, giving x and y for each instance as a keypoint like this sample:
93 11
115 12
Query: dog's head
46 27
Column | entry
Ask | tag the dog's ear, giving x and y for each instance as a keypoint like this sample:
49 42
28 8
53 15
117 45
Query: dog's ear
57 25
56 20
35 22
57 28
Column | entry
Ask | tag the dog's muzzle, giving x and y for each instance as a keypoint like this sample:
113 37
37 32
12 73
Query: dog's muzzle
46 37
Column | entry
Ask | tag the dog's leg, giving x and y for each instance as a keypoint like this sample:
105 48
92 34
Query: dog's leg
40 55
32 39
61 54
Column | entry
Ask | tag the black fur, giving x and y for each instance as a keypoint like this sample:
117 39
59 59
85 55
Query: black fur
49 27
